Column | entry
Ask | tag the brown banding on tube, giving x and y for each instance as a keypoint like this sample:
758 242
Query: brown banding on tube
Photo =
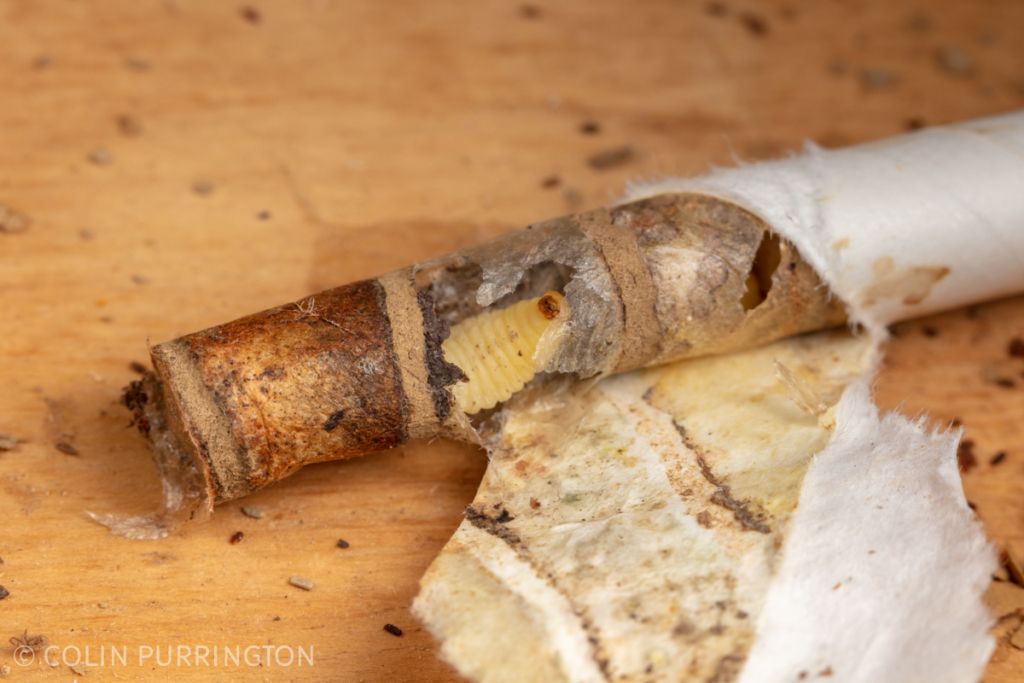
362 367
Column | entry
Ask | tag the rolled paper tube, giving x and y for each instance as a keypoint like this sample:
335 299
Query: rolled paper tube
362 367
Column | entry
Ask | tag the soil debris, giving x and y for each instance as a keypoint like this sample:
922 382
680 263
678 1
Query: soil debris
8 443
237 538
301 582
954 60
1015 348
128 125
611 158
530 11
965 455
876 79
66 447
252 512
250 14
101 156
393 630
342 543
203 188
754 24
12 221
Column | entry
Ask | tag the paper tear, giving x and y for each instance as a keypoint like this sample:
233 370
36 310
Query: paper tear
865 562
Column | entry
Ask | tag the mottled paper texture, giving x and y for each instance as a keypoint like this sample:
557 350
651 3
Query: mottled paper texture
751 516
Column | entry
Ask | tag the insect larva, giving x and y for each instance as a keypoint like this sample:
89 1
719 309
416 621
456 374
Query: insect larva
500 351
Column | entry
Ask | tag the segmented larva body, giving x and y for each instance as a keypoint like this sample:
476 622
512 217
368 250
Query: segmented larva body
499 351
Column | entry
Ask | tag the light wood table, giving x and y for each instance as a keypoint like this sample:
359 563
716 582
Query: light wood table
184 163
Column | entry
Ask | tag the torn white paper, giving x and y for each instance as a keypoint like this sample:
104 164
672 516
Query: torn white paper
751 516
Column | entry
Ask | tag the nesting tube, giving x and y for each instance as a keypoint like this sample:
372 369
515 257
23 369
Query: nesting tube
363 367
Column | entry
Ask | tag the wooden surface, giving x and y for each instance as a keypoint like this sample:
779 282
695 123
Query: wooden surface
184 163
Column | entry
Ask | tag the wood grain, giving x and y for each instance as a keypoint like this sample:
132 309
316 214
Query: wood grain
184 163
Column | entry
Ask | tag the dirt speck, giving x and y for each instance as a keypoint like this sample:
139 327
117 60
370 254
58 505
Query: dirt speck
965 455
590 127
716 9
914 123
128 125
101 156
203 188
4 592
530 12
873 78
252 512
135 63
333 421
12 221
66 447
611 158
8 443
393 630
301 582
550 182
997 458
250 14
754 23
573 198
237 538
1015 348
919 22
954 60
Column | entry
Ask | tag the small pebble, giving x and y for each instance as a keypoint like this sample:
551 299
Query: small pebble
252 512
4 592
300 582
66 448
237 538
954 60
611 158
101 156
342 543
12 221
